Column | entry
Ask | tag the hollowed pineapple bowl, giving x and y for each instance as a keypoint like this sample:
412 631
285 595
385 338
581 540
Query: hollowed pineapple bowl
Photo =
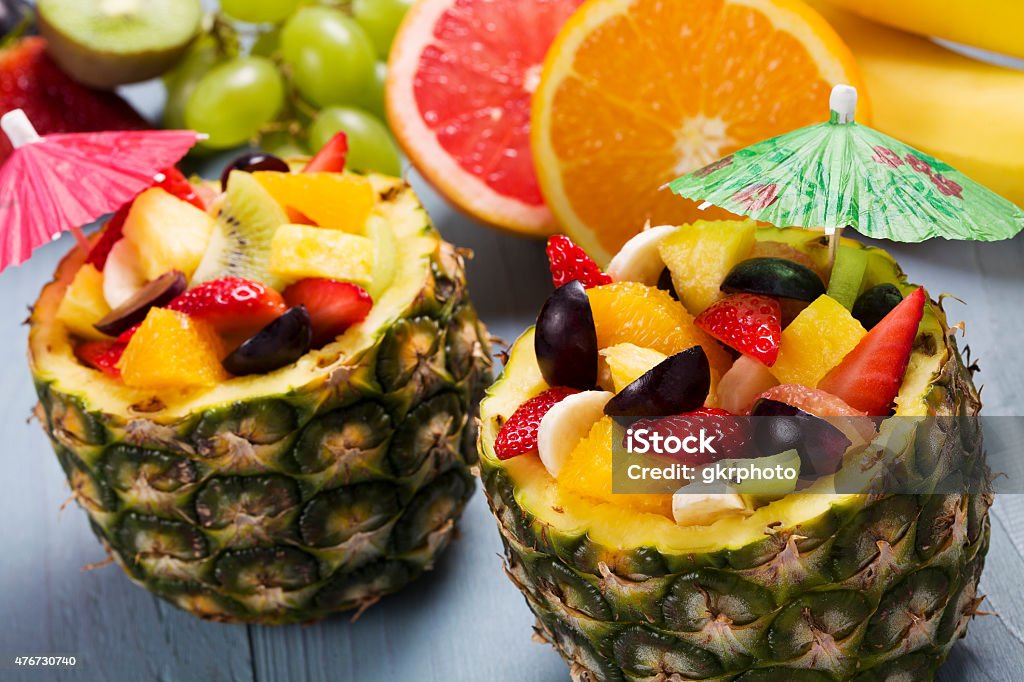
753 588
331 477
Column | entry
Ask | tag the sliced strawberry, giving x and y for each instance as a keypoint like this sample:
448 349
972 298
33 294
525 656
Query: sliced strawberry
569 261
869 377
748 323
730 432
101 355
176 183
235 307
331 157
333 306
518 435
30 80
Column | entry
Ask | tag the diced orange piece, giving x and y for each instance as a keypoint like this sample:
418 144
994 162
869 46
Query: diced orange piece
588 472
172 350
630 312
816 341
340 201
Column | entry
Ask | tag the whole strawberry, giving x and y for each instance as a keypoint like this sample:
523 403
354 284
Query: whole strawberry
54 103
569 261
749 323
518 435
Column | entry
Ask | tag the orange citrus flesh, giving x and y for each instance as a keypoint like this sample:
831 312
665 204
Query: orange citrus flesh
637 92
333 200
629 312
172 350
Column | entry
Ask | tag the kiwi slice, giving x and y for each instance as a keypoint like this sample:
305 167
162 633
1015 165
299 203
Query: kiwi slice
240 243
106 43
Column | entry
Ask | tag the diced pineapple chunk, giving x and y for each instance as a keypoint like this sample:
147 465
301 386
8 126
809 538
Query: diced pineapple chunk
700 255
172 350
627 362
83 304
301 251
338 201
168 233
815 342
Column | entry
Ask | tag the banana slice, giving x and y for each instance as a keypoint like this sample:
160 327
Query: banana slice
638 259
566 424
703 509
122 274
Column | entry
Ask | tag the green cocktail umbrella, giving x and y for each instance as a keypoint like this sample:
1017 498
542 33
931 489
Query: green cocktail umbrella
841 174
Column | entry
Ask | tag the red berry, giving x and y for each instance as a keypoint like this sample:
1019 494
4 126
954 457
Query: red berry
333 306
869 377
518 435
176 183
749 323
234 306
331 157
101 355
55 103
569 262
731 433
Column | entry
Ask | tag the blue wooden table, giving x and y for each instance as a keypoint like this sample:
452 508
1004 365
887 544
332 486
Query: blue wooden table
464 621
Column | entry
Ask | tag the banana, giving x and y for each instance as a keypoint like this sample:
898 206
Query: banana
122 274
638 260
965 112
566 424
993 25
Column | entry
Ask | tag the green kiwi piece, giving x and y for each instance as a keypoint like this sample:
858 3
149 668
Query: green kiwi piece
106 43
240 243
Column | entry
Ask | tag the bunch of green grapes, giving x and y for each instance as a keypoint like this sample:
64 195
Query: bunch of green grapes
289 74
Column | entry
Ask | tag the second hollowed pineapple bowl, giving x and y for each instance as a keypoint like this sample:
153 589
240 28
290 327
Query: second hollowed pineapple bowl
729 585
263 396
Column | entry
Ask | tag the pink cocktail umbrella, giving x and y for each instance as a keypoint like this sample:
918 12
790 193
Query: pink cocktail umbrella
60 182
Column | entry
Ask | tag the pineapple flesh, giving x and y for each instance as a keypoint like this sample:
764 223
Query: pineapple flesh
285 497
806 588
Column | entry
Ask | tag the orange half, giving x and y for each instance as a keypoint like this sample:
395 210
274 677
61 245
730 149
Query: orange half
634 93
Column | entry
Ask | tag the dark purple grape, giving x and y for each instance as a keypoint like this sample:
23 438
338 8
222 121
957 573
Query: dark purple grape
565 340
783 427
665 283
774 277
875 303
12 14
280 343
251 162
159 292
678 384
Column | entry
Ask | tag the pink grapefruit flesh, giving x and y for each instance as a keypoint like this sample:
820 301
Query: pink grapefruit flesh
460 81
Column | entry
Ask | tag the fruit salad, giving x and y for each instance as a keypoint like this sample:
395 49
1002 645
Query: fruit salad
712 325
262 390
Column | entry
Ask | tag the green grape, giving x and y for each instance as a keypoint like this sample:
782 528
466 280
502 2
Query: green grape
281 144
370 146
381 19
372 97
234 100
267 43
331 57
201 56
259 11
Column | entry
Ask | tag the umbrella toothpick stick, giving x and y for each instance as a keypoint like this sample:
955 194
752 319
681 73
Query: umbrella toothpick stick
20 131
835 235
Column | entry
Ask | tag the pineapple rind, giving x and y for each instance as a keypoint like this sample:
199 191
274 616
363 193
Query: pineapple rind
339 486
842 588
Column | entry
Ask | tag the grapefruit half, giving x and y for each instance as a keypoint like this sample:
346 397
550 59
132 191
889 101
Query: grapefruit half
460 81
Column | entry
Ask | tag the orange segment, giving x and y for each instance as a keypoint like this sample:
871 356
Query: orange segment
339 201
588 473
630 312
636 92
171 350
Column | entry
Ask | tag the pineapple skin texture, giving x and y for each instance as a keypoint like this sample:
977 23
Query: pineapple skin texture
288 508
837 597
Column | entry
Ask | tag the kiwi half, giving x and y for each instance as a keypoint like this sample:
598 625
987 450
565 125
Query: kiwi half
106 43
240 243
